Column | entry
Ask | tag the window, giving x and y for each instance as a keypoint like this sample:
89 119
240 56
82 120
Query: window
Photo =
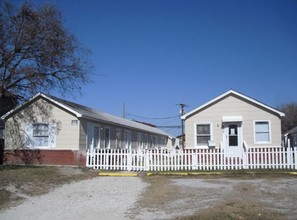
93 136
203 134
140 140
145 141
162 141
107 138
262 131
118 138
155 142
74 122
127 139
96 136
233 135
41 134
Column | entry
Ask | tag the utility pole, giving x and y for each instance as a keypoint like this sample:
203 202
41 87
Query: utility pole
182 112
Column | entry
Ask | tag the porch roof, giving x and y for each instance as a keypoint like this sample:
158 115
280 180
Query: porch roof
232 119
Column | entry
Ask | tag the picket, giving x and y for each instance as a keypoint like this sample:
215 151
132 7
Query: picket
196 159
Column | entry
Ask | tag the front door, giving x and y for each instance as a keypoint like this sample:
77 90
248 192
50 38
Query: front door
233 139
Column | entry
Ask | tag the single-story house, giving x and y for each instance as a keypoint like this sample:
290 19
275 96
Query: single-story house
232 121
58 131
290 138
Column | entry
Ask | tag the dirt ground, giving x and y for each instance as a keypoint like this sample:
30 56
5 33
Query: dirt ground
187 198
242 196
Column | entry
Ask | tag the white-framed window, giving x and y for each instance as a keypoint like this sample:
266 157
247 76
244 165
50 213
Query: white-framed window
118 138
145 141
74 122
93 136
151 141
262 132
203 134
107 137
140 140
40 135
163 141
155 142
127 139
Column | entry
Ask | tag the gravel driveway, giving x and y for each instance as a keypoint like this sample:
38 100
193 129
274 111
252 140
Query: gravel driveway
98 198
161 197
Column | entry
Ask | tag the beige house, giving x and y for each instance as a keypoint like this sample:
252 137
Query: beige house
232 121
51 124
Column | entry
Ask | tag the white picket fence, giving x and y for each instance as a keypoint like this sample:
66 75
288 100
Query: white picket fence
198 159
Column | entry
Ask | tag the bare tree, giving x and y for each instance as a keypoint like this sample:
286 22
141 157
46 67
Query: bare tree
290 119
37 53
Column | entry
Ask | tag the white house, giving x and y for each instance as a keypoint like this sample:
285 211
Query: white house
232 121
61 130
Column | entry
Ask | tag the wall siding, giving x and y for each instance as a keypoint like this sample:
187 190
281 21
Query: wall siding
233 106
67 135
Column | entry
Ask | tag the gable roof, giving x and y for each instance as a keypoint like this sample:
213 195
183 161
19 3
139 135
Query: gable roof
81 111
232 92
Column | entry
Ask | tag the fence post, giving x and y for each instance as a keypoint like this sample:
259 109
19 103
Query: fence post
194 160
145 160
129 160
87 158
245 156
295 158
222 157
288 156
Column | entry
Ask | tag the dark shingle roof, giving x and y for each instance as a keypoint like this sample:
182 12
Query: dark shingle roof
86 112
82 111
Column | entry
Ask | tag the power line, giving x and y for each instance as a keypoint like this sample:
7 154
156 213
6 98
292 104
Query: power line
169 126
155 118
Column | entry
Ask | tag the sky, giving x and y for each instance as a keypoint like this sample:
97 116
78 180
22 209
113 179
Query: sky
154 54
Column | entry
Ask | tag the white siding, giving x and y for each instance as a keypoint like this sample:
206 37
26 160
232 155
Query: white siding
233 106
67 134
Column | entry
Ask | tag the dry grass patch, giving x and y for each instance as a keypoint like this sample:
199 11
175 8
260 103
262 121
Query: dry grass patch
235 211
20 182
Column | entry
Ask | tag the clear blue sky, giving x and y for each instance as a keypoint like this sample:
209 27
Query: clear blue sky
153 54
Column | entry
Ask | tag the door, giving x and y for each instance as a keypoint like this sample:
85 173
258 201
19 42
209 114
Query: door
233 139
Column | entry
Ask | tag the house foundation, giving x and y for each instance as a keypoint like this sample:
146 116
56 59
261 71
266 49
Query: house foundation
44 157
